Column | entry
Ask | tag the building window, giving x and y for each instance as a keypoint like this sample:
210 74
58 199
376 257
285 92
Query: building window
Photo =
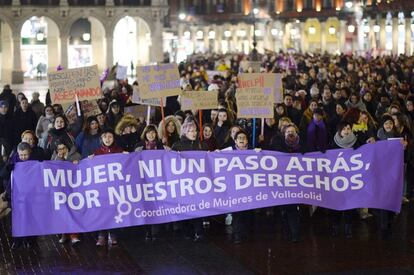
290 5
308 4
327 4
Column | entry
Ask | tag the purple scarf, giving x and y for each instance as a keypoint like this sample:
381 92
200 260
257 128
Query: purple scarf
317 136
150 145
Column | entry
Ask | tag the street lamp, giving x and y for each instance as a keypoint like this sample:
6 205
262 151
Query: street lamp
253 54
351 28
312 30
182 16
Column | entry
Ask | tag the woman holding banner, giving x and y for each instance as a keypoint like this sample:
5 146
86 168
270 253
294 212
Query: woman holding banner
289 142
150 141
189 142
344 138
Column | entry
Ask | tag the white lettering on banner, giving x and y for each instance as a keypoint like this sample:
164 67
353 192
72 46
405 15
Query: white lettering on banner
155 188
76 201
85 177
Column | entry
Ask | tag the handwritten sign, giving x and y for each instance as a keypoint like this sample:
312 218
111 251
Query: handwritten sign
158 81
89 108
254 103
199 100
65 84
269 83
136 98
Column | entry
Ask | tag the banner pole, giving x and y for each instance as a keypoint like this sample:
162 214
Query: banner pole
163 117
254 133
262 127
200 119
148 114
77 105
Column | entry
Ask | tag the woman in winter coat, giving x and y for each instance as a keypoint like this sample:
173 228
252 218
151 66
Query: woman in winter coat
114 114
289 142
189 142
221 126
150 141
44 123
343 139
316 134
88 140
170 132
209 138
59 131
63 153
128 132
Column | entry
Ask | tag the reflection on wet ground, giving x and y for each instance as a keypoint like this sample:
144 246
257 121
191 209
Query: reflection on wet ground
265 252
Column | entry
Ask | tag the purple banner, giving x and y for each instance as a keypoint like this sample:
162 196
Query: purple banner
152 187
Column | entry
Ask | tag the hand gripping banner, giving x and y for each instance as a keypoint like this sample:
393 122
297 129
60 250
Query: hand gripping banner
153 187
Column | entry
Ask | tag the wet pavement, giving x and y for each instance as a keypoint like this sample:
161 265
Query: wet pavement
265 252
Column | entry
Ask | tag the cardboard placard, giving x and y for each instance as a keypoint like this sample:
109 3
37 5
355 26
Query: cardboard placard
136 98
158 81
254 103
269 83
255 65
121 72
65 84
139 111
89 108
199 100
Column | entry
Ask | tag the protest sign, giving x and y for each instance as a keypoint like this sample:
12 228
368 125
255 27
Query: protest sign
254 65
65 84
139 111
158 186
199 100
158 81
136 98
253 103
89 108
270 83
121 72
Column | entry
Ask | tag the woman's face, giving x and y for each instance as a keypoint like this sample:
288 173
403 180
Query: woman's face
234 131
339 110
170 127
49 111
192 133
107 139
346 131
127 130
270 122
410 106
222 116
280 110
313 105
388 125
59 123
367 97
282 124
29 138
93 125
363 118
101 119
354 99
207 132
290 131
151 135
115 109
241 141
396 122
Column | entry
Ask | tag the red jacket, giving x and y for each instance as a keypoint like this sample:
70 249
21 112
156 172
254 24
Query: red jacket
103 150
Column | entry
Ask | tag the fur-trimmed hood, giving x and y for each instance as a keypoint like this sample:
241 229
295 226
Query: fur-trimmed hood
126 120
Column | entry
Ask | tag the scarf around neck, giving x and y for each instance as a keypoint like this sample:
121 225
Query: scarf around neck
383 135
345 142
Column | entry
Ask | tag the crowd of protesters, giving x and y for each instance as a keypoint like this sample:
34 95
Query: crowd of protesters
329 102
